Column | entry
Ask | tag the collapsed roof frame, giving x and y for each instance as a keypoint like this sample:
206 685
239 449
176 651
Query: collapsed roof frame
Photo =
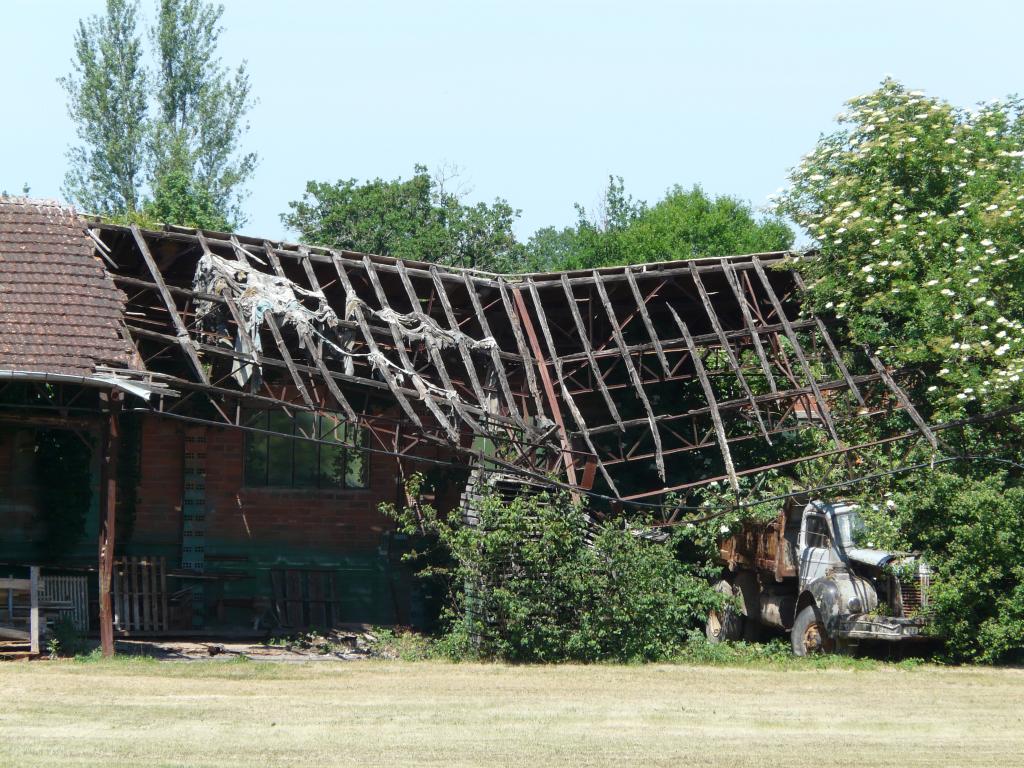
621 373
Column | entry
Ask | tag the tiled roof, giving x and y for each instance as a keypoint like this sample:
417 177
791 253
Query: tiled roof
59 310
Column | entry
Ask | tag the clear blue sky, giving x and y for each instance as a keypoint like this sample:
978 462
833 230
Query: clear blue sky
536 102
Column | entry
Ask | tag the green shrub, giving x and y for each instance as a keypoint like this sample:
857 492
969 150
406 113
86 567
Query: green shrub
535 581
971 530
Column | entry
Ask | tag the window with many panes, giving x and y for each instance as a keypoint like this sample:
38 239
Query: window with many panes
278 460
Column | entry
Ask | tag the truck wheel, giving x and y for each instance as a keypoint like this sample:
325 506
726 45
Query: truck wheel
809 634
724 624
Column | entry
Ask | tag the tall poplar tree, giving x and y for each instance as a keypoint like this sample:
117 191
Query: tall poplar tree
158 142
107 102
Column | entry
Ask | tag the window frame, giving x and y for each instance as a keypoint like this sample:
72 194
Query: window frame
262 420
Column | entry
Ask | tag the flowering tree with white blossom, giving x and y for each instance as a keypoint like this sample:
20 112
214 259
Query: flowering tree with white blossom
917 207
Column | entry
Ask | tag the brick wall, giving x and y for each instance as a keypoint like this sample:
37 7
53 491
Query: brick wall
340 521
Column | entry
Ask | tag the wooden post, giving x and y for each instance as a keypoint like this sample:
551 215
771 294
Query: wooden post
34 614
108 519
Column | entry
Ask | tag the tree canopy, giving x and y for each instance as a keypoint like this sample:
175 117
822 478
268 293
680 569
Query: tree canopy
685 224
158 140
415 218
917 208
916 205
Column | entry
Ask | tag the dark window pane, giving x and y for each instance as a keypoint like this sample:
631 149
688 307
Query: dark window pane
279 454
305 452
255 449
332 457
356 474
332 427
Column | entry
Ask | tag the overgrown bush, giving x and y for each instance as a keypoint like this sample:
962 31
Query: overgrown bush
535 580
917 206
972 529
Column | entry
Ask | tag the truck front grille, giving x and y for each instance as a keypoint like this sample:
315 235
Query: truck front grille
914 593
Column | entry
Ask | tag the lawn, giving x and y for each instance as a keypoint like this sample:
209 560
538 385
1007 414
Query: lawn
430 713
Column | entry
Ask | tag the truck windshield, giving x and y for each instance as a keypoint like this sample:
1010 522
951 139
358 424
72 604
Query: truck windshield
849 527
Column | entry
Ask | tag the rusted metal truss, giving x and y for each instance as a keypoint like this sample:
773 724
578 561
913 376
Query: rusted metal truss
632 381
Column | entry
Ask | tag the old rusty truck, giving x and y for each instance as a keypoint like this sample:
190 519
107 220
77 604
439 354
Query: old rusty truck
810 572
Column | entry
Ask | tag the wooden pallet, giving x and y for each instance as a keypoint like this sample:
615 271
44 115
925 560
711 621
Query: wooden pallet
19 591
139 587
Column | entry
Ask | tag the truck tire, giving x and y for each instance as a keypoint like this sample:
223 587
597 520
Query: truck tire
725 624
746 589
809 635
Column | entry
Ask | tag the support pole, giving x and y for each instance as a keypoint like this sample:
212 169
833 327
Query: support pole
34 610
108 518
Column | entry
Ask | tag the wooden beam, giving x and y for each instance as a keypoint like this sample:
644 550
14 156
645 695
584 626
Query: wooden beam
352 296
716 326
826 415
709 394
646 317
584 337
108 516
403 356
524 351
748 320
184 340
638 385
901 396
499 368
576 414
549 389
453 324
832 347
438 362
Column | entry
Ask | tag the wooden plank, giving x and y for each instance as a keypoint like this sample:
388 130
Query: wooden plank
115 582
293 597
584 337
389 379
638 386
576 414
549 389
827 337
332 605
126 597
709 394
748 320
154 593
278 595
184 340
34 609
716 326
425 395
136 620
498 366
826 415
904 401
165 622
453 324
317 604
646 317
312 347
147 604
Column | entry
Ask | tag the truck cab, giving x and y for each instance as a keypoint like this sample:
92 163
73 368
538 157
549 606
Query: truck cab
810 572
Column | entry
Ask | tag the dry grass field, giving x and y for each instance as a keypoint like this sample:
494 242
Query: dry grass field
436 714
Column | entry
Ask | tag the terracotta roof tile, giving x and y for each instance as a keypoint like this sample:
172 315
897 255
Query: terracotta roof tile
59 310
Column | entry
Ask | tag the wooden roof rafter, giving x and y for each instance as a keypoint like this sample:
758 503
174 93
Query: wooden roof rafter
621 370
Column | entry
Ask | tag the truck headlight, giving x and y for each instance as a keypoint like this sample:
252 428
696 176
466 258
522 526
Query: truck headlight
854 605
